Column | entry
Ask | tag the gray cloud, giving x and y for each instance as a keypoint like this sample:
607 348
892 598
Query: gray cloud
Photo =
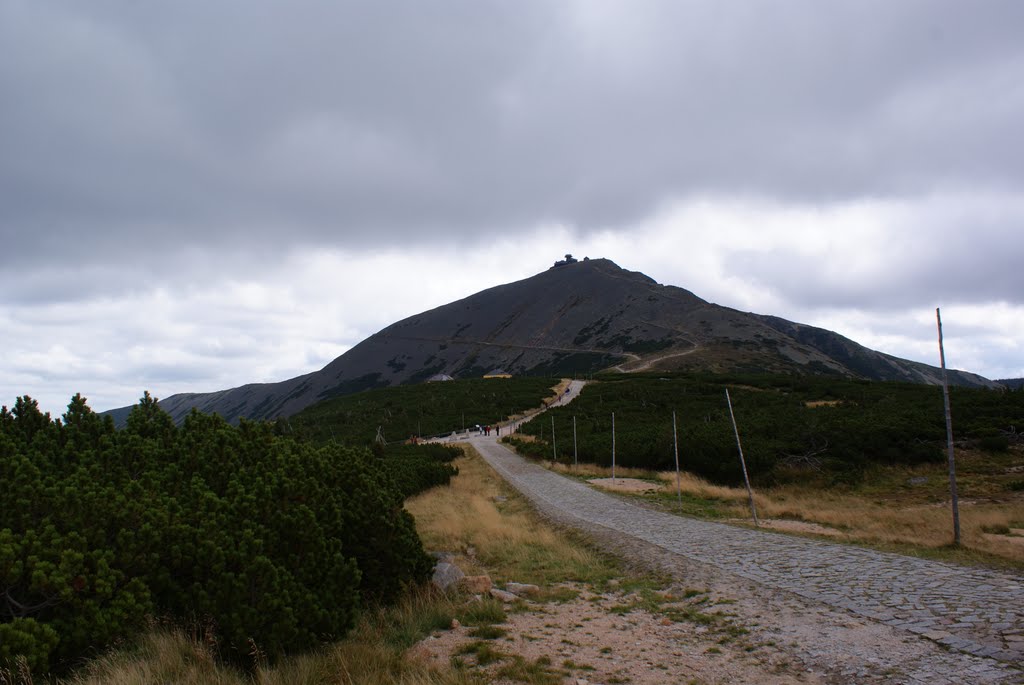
249 121
952 250
178 147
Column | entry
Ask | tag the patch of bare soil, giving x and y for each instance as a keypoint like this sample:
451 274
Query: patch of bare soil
625 484
607 638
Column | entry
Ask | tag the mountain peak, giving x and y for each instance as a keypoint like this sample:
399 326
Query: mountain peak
576 317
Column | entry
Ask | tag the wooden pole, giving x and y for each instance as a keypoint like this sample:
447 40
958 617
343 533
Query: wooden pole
575 452
743 463
613 447
949 435
675 449
554 450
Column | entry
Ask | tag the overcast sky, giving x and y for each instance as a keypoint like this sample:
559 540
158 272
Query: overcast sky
197 195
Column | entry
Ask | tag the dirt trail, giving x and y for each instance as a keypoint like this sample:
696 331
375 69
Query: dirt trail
648 362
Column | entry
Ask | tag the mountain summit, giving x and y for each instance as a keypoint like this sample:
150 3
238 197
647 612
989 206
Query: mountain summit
576 317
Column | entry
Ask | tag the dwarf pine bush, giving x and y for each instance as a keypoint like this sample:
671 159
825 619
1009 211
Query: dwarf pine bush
273 542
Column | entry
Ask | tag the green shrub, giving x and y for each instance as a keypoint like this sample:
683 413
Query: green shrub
272 541
838 425
27 638
994 443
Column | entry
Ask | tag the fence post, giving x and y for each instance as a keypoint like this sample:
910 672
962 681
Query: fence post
675 450
743 463
949 436
613 447
575 453
554 450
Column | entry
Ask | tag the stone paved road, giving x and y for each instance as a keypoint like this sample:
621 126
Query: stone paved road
976 611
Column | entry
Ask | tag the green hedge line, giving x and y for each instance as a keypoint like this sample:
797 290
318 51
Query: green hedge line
838 425
274 542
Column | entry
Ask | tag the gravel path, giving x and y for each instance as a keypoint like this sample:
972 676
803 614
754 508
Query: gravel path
976 611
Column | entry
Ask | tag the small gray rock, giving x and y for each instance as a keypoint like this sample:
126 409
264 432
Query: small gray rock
521 589
446 574
503 596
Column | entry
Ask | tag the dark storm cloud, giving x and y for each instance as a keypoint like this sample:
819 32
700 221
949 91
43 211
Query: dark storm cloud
133 130
197 195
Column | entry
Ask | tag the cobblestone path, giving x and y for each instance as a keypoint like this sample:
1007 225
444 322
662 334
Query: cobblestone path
976 611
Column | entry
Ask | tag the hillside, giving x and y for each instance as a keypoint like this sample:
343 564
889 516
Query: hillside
575 318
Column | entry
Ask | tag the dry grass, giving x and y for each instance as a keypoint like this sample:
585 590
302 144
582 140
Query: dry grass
689 483
491 529
373 655
162 656
890 521
594 471
920 525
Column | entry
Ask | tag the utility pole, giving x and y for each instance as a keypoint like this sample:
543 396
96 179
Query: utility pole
554 450
613 447
949 435
575 453
743 463
675 450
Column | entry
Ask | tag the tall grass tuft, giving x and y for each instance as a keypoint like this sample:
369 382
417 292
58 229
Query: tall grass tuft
375 653
491 529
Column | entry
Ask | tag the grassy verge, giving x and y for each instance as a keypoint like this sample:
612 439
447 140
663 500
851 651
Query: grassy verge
491 529
900 509
375 653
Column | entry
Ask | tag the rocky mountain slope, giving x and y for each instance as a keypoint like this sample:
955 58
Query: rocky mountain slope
575 318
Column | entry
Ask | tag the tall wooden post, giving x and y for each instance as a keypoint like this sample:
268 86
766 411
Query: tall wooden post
743 463
554 450
575 453
675 450
613 447
949 435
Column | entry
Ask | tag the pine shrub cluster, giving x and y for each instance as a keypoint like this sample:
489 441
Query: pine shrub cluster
837 427
272 542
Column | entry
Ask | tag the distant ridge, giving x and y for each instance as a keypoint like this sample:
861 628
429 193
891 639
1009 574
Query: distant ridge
576 317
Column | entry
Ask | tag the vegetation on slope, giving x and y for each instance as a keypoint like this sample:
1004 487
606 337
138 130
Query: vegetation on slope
404 412
422 410
789 425
272 542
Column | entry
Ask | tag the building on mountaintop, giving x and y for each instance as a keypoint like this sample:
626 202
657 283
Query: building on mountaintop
439 378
